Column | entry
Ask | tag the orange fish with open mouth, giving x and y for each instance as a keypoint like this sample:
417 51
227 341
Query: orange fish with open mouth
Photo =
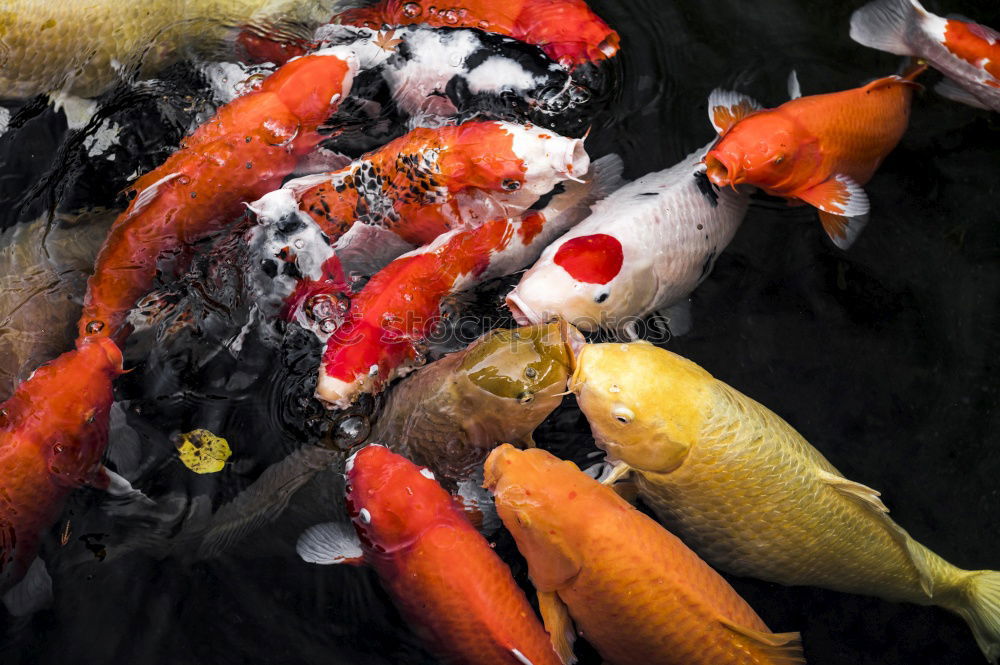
818 149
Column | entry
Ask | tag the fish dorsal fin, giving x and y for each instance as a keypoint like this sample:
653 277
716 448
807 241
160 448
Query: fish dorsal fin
869 498
559 624
794 89
780 648
726 108
906 80
843 231
329 543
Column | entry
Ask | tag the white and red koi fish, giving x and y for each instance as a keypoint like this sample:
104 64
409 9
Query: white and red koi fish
966 52
442 574
400 305
643 249
400 196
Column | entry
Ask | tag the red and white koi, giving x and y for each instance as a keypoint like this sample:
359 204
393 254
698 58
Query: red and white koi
643 249
966 52
399 306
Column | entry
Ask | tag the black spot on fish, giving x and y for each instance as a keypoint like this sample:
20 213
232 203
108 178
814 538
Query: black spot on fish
269 267
546 198
648 194
291 270
289 224
707 189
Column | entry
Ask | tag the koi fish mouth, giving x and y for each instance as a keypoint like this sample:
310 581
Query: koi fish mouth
721 173
577 161
523 313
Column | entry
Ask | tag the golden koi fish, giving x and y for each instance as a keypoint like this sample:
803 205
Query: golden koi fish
753 497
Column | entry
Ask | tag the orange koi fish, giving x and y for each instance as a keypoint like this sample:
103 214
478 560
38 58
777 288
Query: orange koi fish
818 149
568 31
442 574
637 593
247 149
966 52
400 305
53 432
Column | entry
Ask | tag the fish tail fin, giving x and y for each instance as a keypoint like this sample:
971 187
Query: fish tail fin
884 24
981 610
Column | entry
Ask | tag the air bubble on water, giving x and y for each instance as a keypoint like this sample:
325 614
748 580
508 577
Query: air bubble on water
411 10
350 431
95 327
299 243
450 16
579 94
328 326
343 302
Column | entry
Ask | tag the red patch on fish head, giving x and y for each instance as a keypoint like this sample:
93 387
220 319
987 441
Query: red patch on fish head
393 501
594 259
482 156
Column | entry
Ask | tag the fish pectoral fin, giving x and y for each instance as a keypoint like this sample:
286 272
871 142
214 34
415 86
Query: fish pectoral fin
678 317
956 93
726 108
32 593
780 648
843 231
870 499
559 624
329 543
845 204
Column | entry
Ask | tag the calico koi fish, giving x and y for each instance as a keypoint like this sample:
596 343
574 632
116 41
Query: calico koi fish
753 497
633 588
818 149
443 575
643 249
53 431
247 149
567 30
400 305
966 52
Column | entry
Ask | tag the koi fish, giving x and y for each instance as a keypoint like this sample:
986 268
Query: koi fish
633 588
753 497
643 249
818 149
400 305
443 575
567 30
245 150
53 431
446 415
966 52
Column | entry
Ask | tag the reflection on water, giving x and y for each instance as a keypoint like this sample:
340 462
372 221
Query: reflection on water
883 356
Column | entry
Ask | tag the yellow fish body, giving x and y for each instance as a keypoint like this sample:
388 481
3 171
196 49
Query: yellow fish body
79 47
753 497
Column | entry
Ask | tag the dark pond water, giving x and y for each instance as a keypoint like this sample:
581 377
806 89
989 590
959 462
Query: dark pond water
885 357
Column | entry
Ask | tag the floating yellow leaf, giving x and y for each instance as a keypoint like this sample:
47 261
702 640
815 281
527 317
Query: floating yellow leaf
203 452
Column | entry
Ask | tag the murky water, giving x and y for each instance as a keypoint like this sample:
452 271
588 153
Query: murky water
884 357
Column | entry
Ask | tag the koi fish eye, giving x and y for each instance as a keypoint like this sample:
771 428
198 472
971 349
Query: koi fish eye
623 415
511 185
779 158
601 297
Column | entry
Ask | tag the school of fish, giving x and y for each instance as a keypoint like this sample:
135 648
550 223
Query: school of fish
477 171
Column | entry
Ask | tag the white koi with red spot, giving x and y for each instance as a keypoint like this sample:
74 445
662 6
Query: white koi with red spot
643 249
966 52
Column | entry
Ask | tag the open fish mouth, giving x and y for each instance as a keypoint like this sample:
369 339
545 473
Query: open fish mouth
523 313
720 172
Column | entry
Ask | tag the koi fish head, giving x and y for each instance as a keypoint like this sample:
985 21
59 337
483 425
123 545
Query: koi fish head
765 150
544 502
576 280
391 500
527 367
514 164
644 404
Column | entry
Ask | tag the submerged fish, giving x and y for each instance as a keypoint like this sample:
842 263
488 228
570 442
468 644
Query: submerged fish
966 52
449 414
45 268
444 577
80 47
400 306
643 249
637 593
818 149
749 494
53 431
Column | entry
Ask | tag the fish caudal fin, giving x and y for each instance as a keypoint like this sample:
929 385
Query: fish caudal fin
883 25
982 610
956 93
780 648
559 624
726 108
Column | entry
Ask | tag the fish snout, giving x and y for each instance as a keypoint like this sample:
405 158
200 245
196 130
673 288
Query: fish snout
722 170
522 311
576 162
493 467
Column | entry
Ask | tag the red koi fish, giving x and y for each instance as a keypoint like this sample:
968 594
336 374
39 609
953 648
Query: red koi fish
247 149
53 432
400 305
444 577
818 149
966 52
568 31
